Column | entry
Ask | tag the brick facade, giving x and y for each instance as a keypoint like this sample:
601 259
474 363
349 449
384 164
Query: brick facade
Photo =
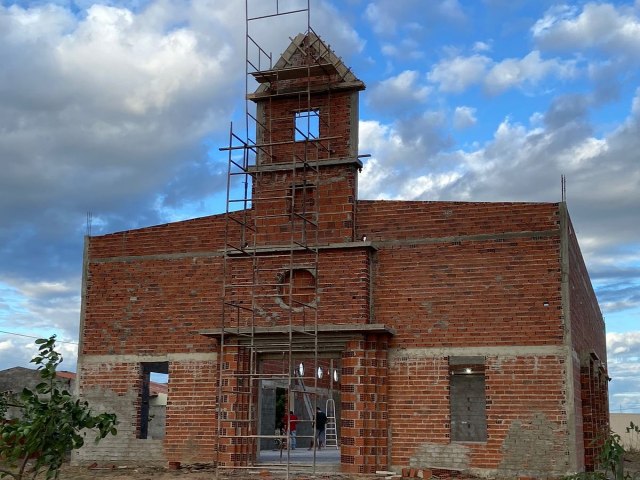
500 286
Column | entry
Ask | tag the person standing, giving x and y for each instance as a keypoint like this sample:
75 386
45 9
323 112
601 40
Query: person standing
321 422
290 422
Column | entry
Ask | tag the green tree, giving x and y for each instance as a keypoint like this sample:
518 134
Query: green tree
51 425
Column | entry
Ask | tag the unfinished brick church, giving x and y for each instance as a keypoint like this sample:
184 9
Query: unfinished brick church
458 338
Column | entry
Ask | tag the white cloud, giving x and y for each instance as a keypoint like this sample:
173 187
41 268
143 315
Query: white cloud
388 17
16 351
401 155
624 344
623 355
530 69
481 47
524 163
381 22
615 29
399 92
464 117
456 74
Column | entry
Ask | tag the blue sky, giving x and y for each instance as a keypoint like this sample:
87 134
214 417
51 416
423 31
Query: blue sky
118 109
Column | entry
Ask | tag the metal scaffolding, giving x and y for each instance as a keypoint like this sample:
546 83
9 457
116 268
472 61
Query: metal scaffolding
271 253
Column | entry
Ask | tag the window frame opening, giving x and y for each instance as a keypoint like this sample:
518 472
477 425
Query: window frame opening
467 399
306 125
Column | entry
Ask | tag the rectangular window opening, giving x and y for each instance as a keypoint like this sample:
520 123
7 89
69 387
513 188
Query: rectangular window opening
468 399
307 125
302 200
153 400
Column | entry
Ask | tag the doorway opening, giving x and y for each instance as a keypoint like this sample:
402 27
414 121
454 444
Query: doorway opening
315 384
152 413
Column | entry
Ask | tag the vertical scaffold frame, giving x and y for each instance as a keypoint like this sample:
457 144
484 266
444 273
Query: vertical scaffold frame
249 153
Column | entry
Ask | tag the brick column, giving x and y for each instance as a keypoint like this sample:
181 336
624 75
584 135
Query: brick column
234 447
595 408
364 406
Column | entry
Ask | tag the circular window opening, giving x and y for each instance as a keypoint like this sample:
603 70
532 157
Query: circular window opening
335 375
320 372
297 289
301 369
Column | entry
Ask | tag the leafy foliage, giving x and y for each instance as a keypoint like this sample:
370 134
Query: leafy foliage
611 459
51 425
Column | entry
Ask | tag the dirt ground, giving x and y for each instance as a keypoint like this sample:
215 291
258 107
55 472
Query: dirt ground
204 472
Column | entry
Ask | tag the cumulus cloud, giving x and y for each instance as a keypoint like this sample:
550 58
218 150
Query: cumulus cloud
454 75
388 16
530 70
118 110
464 117
623 352
16 351
457 74
401 153
613 29
623 344
399 93
481 47
524 163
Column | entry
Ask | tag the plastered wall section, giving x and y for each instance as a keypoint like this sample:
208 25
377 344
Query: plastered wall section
114 386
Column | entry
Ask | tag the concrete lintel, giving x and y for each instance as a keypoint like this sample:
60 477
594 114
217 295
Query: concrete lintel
249 251
322 329
132 358
488 351
460 238
220 253
160 256
295 91
321 162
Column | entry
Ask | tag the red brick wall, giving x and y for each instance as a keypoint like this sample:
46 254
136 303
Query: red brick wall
335 214
588 337
364 406
115 387
400 220
192 412
335 128
151 306
343 286
474 293
198 235
587 323
487 289
525 415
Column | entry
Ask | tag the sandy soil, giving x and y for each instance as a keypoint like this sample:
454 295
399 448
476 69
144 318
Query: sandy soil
205 472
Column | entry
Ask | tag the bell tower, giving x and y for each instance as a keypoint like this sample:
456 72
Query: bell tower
305 174
290 222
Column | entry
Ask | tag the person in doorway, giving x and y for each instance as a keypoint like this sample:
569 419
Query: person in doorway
321 422
290 421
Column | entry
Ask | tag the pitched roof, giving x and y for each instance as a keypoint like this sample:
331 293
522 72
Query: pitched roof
307 52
